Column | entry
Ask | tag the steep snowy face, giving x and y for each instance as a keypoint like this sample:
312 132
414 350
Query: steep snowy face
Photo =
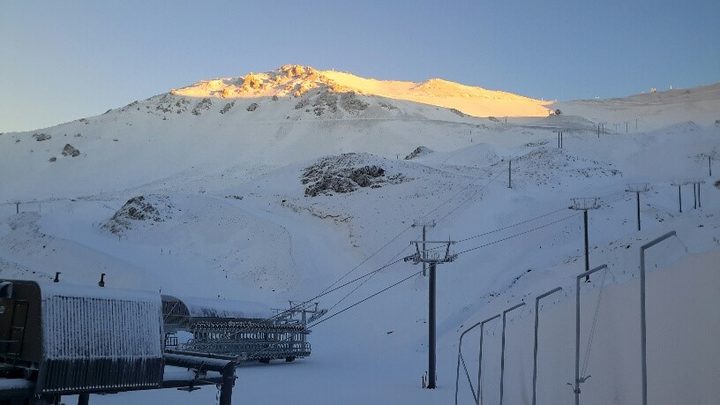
296 80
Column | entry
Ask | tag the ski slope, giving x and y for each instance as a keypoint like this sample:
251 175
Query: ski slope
236 223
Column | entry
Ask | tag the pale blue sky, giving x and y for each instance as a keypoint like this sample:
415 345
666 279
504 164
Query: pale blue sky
62 60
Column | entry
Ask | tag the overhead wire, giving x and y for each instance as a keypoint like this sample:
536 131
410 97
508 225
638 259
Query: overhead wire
355 280
363 282
405 279
394 238
329 289
459 253
518 234
325 319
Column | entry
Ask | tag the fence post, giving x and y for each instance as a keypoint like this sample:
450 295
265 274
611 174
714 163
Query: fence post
535 344
643 328
502 345
579 380
457 371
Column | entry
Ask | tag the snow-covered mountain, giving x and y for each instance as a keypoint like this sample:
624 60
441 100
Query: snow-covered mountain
273 186
295 80
243 126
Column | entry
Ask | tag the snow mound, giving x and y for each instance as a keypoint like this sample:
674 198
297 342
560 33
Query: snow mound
477 155
418 152
153 208
344 174
542 166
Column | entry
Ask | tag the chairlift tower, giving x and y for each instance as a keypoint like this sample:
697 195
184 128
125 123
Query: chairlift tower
679 184
302 309
433 258
424 223
696 192
584 204
638 188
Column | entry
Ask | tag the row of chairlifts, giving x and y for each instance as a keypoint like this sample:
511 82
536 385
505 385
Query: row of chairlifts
250 337
58 340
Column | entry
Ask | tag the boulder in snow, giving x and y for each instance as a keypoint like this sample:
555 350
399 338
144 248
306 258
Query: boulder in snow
70 150
344 174
418 152
153 208
41 136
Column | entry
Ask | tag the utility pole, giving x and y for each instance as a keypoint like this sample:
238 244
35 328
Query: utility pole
679 185
585 204
433 258
637 189
423 246
509 173
699 200
425 224
696 192
680 196
17 207
709 166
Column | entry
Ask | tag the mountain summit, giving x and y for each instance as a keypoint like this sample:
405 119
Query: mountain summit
296 80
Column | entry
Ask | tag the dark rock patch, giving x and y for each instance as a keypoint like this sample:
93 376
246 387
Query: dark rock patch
350 103
419 151
203 105
70 150
153 209
344 174
227 107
